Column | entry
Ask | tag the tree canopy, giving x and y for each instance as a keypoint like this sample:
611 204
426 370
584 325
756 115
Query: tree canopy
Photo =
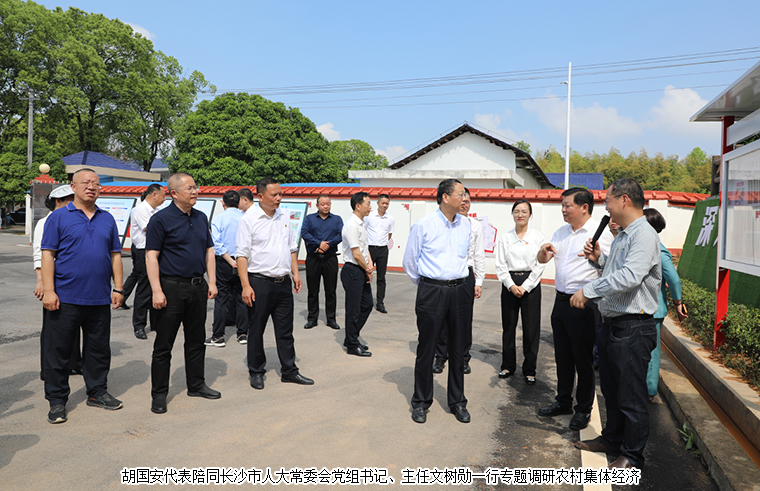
237 139
356 155
658 173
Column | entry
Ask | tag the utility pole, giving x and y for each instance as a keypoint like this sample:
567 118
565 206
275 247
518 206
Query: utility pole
567 143
31 97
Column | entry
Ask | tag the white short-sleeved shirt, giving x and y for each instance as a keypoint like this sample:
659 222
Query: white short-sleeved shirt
354 235
378 228
138 228
572 272
267 242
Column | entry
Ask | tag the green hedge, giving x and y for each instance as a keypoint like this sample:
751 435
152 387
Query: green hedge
741 351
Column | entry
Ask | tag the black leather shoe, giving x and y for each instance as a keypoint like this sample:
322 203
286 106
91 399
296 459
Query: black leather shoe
438 365
554 409
159 405
124 306
419 414
257 381
381 308
467 370
298 379
364 346
596 445
310 325
333 325
580 421
358 351
205 391
140 334
461 413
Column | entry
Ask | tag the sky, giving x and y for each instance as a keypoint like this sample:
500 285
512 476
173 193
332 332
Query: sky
399 74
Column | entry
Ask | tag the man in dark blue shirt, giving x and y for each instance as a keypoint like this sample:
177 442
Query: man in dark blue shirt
81 251
179 250
321 233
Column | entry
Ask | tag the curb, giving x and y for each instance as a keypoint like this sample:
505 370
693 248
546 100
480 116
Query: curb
729 464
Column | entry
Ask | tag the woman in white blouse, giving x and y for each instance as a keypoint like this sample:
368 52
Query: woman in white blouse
520 276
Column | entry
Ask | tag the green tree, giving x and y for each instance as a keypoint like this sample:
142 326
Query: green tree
15 176
356 155
148 122
698 166
236 139
525 147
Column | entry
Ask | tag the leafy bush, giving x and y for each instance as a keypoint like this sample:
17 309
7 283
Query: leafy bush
741 350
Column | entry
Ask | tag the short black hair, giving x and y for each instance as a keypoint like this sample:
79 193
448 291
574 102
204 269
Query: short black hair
322 196
631 188
261 186
357 199
446 187
521 201
383 196
655 219
231 199
581 196
50 203
245 193
150 190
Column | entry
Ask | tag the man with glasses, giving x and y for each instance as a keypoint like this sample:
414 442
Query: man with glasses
179 250
81 252
139 218
627 293
435 260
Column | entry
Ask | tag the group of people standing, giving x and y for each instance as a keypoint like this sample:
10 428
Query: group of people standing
249 255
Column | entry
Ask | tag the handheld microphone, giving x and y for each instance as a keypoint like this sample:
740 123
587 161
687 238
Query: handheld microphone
600 229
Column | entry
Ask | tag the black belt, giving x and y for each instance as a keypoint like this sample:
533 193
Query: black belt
198 280
353 264
379 247
627 317
222 257
319 254
520 273
455 282
563 296
273 279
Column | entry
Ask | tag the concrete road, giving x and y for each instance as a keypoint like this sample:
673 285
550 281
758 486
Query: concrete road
357 415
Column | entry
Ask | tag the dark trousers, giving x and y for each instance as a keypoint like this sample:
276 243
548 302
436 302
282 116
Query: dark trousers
276 300
530 307
574 332
438 307
229 293
75 361
186 305
379 255
358 302
142 305
441 350
61 333
325 267
624 353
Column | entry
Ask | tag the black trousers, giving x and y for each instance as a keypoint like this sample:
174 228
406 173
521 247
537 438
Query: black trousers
142 305
379 255
325 267
358 302
186 305
438 307
61 333
75 361
275 300
229 293
441 350
574 331
530 307
624 353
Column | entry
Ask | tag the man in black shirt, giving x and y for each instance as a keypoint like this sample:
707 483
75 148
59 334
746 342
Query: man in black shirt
179 250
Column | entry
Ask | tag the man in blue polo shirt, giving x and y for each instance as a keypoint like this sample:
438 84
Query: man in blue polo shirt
178 251
81 252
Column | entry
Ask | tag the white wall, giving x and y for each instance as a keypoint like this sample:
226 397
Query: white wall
465 152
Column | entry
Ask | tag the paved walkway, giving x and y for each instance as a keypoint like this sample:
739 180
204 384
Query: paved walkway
357 414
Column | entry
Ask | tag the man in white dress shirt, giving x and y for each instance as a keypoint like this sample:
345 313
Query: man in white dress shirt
573 330
379 225
476 264
435 260
266 247
141 214
356 274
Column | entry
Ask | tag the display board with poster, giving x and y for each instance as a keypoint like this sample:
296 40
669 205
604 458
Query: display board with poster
120 208
297 212
739 239
489 235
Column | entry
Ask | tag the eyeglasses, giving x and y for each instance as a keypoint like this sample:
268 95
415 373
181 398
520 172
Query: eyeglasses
458 195
520 212
189 189
607 200
87 184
